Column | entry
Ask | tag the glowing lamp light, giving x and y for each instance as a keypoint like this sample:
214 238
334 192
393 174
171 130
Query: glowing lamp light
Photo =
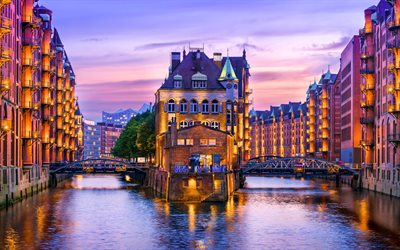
6 125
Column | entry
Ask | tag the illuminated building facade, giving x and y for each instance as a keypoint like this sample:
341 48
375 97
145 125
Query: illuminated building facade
350 94
380 101
37 110
99 139
318 117
280 131
214 92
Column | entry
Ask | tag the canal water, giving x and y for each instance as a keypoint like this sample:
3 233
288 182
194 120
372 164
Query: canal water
100 212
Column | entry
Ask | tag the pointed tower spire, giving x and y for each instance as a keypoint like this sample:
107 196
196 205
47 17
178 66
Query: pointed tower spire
227 73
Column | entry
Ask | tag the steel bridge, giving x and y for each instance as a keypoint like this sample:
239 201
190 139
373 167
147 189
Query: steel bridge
297 165
97 165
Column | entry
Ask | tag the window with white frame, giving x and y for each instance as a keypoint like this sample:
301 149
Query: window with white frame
214 107
171 106
184 106
215 125
193 106
183 124
204 107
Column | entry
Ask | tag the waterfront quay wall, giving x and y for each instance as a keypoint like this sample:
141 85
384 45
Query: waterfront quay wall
193 187
19 183
377 182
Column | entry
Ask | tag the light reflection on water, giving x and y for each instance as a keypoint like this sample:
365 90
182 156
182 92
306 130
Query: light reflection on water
98 212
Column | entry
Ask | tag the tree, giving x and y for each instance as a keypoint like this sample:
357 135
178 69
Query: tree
138 138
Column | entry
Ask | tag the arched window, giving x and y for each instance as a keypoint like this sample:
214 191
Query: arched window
171 106
214 107
191 123
206 123
183 124
204 107
183 106
215 125
193 106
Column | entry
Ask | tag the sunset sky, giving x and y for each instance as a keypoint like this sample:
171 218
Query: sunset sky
120 49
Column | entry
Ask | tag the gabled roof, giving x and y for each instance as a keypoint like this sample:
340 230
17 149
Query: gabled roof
191 65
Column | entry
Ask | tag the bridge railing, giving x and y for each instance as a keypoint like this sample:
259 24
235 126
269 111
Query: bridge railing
272 162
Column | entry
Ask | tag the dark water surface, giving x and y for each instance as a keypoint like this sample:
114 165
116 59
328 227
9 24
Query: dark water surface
99 212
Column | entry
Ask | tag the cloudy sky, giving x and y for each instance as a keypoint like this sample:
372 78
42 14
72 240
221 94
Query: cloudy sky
120 49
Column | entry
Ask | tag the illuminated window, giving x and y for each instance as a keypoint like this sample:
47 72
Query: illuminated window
184 106
204 107
183 124
189 142
181 142
171 106
215 125
193 106
203 142
212 142
214 107
206 123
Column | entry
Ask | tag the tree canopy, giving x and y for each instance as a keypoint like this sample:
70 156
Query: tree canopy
138 138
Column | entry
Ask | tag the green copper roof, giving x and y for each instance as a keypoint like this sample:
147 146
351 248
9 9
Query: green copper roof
227 73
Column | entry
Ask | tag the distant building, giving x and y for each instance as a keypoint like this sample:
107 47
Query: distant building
91 140
318 117
120 117
99 139
280 131
109 136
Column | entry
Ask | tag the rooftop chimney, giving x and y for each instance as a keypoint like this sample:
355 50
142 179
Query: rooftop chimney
217 58
175 60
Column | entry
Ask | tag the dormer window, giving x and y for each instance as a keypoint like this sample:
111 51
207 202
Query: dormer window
199 81
177 81
177 84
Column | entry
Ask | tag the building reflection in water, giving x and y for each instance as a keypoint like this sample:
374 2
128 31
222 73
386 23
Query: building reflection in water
271 212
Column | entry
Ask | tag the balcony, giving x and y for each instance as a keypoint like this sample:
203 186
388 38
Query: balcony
30 106
27 84
392 88
367 86
46 84
366 120
48 101
393 25
31 135
394 109
393 67
31 20
5 55
367 143
31 42
393 45
367 104
48 118
394 138
5 85
5 25
27 62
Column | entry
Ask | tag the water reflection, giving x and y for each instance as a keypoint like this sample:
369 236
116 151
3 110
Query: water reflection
98 212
